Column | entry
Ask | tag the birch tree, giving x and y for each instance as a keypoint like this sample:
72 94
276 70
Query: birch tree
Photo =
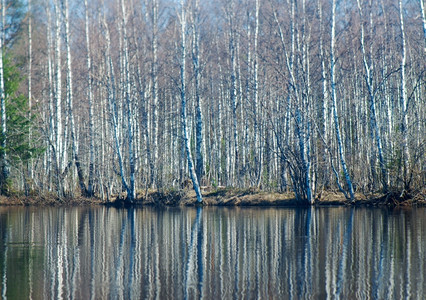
70 99
190 162
30 64
404 107
90 191
131 188
155 118
422 8
287 95
368 68
4 161
334 106
231 19
197 77
59 147
257 149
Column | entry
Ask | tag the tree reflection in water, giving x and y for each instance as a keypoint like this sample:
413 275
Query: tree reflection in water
101 253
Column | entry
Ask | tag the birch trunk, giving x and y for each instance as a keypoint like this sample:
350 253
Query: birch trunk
4 160
30 64
183 103
197 76
70 103
404 100
325 99
368 67
90 191
127 93
51 125
422 8
58 83
112 103
334 104
257 148
154 171
233 93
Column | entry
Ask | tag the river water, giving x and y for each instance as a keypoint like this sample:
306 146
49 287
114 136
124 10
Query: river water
212 253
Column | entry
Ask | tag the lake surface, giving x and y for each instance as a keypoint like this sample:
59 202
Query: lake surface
212 253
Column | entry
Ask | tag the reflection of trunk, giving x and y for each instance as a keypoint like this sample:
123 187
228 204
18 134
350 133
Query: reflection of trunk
334 105
191 281
119 262
184 116
345 248
4 250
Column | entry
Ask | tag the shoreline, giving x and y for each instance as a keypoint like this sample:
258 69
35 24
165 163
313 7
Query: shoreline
230 197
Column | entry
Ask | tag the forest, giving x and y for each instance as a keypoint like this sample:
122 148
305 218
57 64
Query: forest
108 97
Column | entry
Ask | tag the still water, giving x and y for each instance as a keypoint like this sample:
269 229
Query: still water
212 253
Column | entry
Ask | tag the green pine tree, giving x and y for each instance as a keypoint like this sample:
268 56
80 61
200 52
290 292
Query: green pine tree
22 138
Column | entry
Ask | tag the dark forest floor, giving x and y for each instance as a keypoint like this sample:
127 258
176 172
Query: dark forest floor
224 197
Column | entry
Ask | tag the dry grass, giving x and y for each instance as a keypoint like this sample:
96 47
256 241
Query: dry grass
223 197
47 200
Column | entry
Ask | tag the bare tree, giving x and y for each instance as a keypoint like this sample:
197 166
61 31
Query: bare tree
183 104
404 100
334 105
90 191
368 68
4 161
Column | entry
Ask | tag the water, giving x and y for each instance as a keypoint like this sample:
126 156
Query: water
212 253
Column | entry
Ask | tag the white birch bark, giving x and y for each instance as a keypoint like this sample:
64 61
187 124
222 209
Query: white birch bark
4 162
368 67
127 93
302 182
334 104
233 93
30 64
305 97
90 191
220 135
325 109
70 99
422 8
112 103
404 100
183 103
51 126
198 103
155 125
257 147
58 91
247 135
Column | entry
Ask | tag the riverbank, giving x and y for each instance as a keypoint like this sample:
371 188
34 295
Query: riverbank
252 197
223 197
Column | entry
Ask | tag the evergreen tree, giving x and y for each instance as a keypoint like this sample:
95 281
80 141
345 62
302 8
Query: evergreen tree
20 147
